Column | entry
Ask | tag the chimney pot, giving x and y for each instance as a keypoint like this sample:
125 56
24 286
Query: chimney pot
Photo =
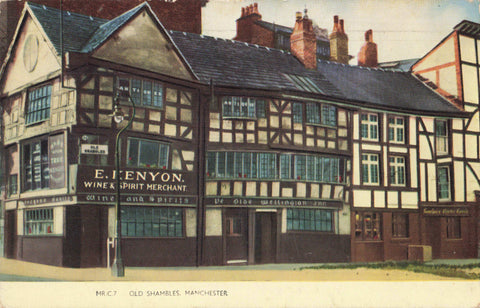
243 12
298 15
255 7
342 29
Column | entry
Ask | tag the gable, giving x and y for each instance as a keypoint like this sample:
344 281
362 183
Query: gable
31 59
141 44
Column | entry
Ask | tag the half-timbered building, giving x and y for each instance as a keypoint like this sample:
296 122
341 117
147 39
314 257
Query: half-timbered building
237 153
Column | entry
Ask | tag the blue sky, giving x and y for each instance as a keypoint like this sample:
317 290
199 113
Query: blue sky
402 29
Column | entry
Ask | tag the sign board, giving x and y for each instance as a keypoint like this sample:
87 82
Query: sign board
56 163
272 202
446 211
96 149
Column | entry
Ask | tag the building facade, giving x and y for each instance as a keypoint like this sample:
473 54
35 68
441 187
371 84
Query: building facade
237 154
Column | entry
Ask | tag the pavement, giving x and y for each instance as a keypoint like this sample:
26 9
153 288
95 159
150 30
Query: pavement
15 270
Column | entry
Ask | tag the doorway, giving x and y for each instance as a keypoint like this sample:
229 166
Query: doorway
236 236
265 237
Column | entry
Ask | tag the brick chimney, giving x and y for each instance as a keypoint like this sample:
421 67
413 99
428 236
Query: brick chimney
368 52
303 42
339 42
245 23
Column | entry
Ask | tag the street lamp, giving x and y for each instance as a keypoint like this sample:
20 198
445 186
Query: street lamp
118 268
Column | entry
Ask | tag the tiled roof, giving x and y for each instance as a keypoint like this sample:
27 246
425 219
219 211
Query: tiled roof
385 88
241 65
286 30
238 64
108 28
77 28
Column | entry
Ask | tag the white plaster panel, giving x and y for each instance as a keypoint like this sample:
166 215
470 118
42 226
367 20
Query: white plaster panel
410 199
264 190
392 199
472 145
356 133
111 221
362 198
457 124
326 189
472 183
58 220
448 80
371 147
379 198
287 192
251 189
211 189
20 222
467 49
423 182
238 188
284 221
356 164
470 83
432 182
398 149
344 220
276 189
412 130
190 222
314 191
425 152
444 53
213 222
301 190
413 168
458 172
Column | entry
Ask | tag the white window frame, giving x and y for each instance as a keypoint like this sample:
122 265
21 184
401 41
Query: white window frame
397 128
367 160
371 125
448 182
442 141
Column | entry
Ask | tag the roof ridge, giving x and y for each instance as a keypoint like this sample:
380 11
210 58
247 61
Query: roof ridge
42 6
91 44
379 69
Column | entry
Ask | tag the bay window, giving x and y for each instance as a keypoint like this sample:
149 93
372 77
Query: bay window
143 92
243 107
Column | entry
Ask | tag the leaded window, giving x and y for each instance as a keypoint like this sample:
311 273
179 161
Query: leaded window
443 183
309 220
147 153
38 104
441 136
243 107
143 92
322 114
368 226
139 221
297 110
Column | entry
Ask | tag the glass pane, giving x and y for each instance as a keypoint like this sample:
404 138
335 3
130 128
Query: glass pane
148 154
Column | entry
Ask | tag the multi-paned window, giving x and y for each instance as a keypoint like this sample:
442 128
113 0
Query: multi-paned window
370 167
322 114
441 136
443 183
400 225
38 221
147 153
396 129
297 111
143 92
35 165
369 126
309 220
397 170
368 226
140 221
454 227
38 105
243 107
272 166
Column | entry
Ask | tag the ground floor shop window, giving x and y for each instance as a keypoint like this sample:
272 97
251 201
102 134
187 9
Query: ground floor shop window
309 220
152 221
454 227
368 226
400 225
39 222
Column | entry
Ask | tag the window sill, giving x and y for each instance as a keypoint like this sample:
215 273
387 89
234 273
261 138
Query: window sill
270 179
124 237
309 232
322 125
36 123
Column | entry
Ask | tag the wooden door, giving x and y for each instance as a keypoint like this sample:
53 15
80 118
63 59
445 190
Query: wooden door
236 235
265 237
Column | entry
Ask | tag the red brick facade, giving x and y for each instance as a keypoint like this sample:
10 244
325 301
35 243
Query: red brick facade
368 53
303 42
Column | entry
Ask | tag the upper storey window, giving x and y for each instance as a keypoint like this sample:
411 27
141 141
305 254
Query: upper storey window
321 114
143 92
369 126
147 153
396 130
38 104
243 107
441 136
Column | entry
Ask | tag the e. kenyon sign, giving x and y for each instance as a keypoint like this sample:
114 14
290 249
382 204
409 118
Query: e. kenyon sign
145 181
